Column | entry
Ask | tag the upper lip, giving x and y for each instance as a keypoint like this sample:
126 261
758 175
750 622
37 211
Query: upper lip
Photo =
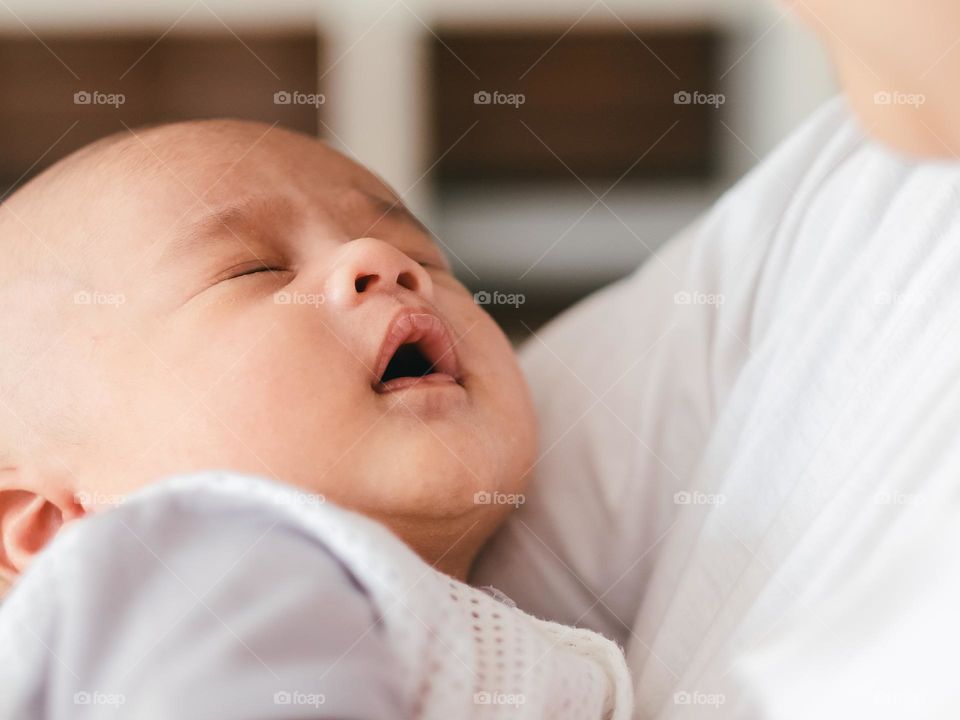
423 328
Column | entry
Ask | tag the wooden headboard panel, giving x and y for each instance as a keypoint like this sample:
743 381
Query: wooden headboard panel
175 77
601 101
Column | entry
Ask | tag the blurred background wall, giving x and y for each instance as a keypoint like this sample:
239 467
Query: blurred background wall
551 147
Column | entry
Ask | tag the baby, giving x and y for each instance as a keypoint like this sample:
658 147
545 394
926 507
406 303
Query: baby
227 295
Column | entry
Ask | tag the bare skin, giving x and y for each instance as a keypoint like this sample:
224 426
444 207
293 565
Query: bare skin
217 295
898 62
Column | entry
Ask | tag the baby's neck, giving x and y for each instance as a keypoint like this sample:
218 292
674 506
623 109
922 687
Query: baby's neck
451 546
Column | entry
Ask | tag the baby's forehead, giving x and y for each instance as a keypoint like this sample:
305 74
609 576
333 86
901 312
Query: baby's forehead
206 161
109 208
214 161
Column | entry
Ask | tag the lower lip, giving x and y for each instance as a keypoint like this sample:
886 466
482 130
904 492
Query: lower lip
432 381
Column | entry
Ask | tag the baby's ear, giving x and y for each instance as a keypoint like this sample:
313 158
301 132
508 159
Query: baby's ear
28 520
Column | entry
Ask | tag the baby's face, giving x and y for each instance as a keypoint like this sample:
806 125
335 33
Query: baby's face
258 302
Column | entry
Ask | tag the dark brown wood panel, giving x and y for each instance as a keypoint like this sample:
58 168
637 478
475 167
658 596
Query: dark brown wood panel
595 100
180 77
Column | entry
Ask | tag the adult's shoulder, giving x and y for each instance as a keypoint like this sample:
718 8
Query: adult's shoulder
628 384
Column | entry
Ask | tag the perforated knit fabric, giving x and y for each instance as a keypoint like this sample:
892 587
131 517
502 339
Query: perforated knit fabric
465 653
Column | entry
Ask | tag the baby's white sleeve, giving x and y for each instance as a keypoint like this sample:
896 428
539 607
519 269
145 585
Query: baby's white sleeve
168 609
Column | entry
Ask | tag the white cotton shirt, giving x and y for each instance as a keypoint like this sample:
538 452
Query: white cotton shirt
221 595
750 462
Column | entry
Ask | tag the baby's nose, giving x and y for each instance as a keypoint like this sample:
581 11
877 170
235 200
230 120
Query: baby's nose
368 265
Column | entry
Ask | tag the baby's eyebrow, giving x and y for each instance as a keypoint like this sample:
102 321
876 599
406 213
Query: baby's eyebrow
239 219
242 219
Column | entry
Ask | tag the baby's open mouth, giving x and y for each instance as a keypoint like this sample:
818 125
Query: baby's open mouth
417 350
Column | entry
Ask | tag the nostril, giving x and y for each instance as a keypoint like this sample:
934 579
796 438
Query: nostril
407 280
362 281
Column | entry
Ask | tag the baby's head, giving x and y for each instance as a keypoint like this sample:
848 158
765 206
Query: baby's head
898 61
228 295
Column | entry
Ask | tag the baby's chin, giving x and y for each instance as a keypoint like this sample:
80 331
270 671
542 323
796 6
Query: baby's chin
437 505
442 489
